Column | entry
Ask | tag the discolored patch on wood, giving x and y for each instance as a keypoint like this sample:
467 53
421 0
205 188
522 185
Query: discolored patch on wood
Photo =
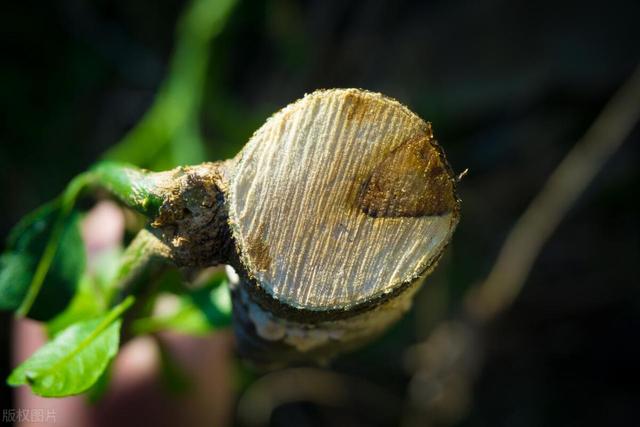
411 181
259 250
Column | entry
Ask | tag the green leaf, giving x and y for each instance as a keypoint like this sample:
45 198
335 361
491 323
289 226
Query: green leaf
214 301
92 296
73 361
88 303
105 268
101 386
46 232
198 312
15 276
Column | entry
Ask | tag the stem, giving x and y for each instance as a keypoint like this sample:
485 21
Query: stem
137 188
144 256
545 212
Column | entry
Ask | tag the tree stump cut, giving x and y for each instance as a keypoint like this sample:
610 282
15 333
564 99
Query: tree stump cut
337 206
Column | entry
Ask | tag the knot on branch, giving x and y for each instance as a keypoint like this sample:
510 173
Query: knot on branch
193 220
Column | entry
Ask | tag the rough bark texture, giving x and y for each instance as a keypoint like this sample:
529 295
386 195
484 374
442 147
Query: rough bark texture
271 341
193 219
331 215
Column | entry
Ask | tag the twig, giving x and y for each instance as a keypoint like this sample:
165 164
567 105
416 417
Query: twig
144 256
451 373
562 189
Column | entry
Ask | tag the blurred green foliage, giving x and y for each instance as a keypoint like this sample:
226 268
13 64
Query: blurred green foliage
27 248
169 133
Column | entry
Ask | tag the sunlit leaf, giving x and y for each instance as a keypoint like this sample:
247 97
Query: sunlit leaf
75 359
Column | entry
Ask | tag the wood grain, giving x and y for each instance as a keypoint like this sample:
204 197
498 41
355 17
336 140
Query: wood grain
412 181
339 198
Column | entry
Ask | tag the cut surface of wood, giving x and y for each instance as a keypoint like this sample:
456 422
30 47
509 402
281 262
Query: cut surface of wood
339 199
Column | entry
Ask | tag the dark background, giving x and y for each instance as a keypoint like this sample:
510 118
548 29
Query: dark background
509 86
